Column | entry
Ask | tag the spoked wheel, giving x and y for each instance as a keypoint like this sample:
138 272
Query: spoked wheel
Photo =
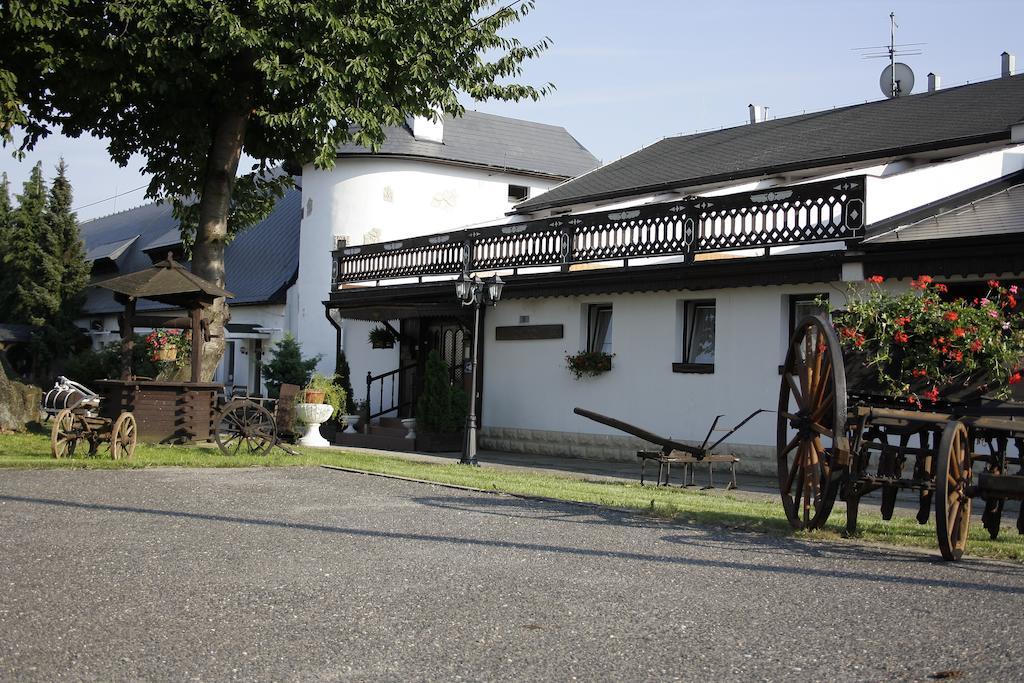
245 428
812 448
123 437
952 478
63 436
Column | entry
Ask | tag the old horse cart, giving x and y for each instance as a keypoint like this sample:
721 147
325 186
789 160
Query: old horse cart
76 417
138 408
838 436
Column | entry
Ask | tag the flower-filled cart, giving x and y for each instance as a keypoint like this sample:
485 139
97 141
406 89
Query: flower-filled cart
920 391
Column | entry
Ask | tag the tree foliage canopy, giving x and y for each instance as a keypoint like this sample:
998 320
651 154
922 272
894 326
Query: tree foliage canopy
158 78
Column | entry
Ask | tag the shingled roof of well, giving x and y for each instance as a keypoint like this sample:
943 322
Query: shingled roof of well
953 117
490 141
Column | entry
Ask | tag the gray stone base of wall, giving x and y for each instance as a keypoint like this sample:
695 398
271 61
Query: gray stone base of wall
754 459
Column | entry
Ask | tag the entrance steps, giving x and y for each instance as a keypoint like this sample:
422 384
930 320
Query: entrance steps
386 435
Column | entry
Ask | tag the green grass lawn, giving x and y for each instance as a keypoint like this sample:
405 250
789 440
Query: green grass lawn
710 509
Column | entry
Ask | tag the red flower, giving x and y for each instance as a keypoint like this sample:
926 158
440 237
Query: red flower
859 341
942 288
848 332
959 331
912 400
901 322
1012 301
901 337
932 394
1015 377
921 282
994 284
958 356
876 279
951 315
976 345
919 372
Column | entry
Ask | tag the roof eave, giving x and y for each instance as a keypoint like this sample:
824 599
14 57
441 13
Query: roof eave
454 162
766 171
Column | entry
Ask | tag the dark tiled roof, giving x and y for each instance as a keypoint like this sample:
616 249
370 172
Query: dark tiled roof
1001 213
493 142
981 112
259 263
13 332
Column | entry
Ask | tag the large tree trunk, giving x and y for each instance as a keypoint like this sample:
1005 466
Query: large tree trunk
212 231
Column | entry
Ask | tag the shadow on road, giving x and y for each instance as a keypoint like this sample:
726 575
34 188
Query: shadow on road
789 547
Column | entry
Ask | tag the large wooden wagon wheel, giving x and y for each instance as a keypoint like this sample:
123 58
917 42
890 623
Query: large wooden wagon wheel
952 478
123 437
63 435
245 428
812 448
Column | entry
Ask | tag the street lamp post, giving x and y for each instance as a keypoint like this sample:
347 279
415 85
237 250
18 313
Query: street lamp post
476 293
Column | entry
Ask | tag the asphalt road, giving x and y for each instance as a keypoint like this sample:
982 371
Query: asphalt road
313 574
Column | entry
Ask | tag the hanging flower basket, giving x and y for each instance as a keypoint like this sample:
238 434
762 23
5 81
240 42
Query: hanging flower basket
589 363
381 338
165 355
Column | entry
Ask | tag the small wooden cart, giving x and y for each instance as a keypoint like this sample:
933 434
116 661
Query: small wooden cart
836 437
76 417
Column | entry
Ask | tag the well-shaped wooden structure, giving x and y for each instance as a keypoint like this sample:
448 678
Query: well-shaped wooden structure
166 412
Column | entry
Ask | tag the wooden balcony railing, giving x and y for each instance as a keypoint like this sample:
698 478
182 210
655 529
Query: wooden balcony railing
824 211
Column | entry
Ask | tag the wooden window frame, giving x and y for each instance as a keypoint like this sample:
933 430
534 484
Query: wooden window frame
593 311
689 312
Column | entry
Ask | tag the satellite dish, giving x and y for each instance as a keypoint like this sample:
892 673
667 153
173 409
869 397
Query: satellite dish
904 80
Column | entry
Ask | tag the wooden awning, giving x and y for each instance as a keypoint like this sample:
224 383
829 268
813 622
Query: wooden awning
167 282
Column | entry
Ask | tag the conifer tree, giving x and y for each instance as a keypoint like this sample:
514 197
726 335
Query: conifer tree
30 272
66 246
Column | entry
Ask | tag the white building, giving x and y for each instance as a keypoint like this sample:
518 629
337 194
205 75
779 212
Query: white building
428 176
689 260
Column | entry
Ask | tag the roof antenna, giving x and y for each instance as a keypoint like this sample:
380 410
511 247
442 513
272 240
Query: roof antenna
897 79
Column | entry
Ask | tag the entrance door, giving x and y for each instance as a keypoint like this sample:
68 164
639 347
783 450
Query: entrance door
452 340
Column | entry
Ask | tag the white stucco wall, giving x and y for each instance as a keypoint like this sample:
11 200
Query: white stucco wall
527 384
380 199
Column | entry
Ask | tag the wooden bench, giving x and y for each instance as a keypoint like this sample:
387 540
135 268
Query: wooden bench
666 460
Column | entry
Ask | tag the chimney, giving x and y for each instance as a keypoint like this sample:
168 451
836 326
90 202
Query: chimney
934 82
1009 64
426 128
758 113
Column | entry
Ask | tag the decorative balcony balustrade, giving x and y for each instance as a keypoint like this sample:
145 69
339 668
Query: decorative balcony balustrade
801 214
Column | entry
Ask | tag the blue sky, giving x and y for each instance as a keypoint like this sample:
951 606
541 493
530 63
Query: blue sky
629 73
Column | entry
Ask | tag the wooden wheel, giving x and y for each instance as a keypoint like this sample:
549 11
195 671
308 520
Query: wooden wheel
123 437
812 448
245 428
952 504
63 436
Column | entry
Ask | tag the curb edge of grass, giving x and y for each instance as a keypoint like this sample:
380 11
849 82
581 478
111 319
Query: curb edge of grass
498 492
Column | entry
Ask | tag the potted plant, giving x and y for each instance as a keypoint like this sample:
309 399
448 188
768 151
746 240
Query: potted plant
381 337
589 363
323 389
168 346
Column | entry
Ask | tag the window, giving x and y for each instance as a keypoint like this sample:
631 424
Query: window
517 193
698 338
801 305
599 328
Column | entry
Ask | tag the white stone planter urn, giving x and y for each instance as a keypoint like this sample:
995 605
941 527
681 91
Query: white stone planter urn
314 415
350 423
410 424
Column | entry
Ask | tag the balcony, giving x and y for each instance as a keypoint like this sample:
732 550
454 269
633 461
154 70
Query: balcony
826 211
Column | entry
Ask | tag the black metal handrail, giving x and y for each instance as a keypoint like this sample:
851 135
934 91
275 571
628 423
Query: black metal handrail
395 405
823 211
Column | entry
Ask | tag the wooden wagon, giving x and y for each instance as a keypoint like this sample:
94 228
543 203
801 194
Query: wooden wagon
836 437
